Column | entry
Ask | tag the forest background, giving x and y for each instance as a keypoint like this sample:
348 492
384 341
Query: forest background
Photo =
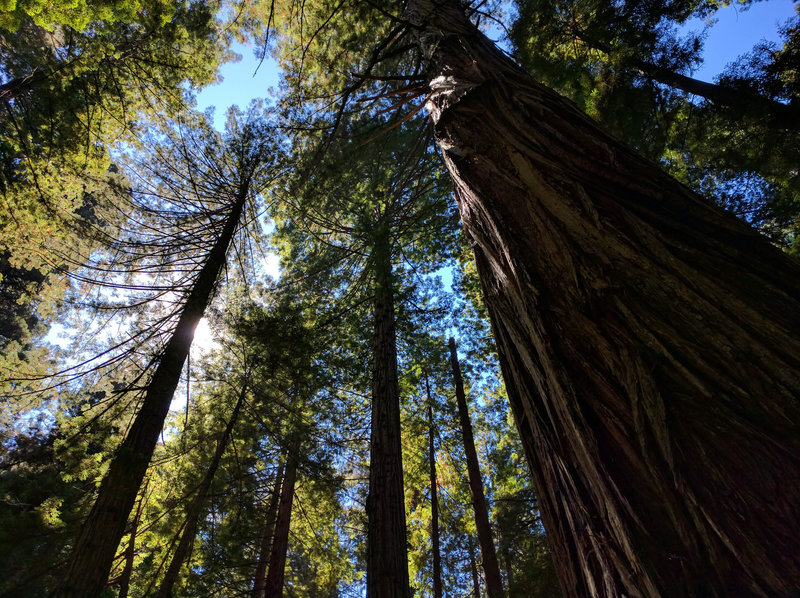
327 405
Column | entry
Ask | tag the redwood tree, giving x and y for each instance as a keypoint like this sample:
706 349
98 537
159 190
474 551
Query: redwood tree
195 506
232 179
273 584
387 559
435 548
265 545
648 339
491 570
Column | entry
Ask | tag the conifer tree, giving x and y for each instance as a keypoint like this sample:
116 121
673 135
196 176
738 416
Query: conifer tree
232 180
614 293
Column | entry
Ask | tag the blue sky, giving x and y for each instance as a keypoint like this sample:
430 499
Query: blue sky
242 81
735 32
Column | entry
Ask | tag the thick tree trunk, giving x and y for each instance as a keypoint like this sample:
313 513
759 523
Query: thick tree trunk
273 585
387 556
92 556
196 505
648 340
437 555
491 570
260 576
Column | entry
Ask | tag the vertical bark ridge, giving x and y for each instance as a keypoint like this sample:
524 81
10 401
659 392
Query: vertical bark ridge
648 340
91 558
491 570
387 553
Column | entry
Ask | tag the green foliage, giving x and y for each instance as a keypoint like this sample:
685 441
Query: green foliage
77 14
619 61
82 77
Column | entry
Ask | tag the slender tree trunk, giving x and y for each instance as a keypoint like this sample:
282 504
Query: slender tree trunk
92 556
130 551
273 585
437 555
473 568
387 557
741 101
648 340
508 566
260 576
491 570
196 505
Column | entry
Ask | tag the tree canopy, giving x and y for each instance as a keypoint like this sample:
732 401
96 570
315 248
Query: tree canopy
520 343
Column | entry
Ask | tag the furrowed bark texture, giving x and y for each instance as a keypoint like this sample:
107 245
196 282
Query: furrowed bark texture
387 556
648 340
273 584
437 555
92 556
195 506
491 570
260 575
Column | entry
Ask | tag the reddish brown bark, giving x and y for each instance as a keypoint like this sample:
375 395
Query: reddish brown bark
91 558
260 576
387 557
491 570
648 340
273 585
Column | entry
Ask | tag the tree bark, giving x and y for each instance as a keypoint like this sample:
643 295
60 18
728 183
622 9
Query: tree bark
473 568
387 556
260 576
437 555
491 570
130 551
193 510
648 340
273 585
92 556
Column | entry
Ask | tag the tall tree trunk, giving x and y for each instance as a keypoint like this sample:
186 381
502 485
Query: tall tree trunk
196 505
437 555
473 568
491 570
648 340
387 557
260 576
130 551
273 585
93 553
508 566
